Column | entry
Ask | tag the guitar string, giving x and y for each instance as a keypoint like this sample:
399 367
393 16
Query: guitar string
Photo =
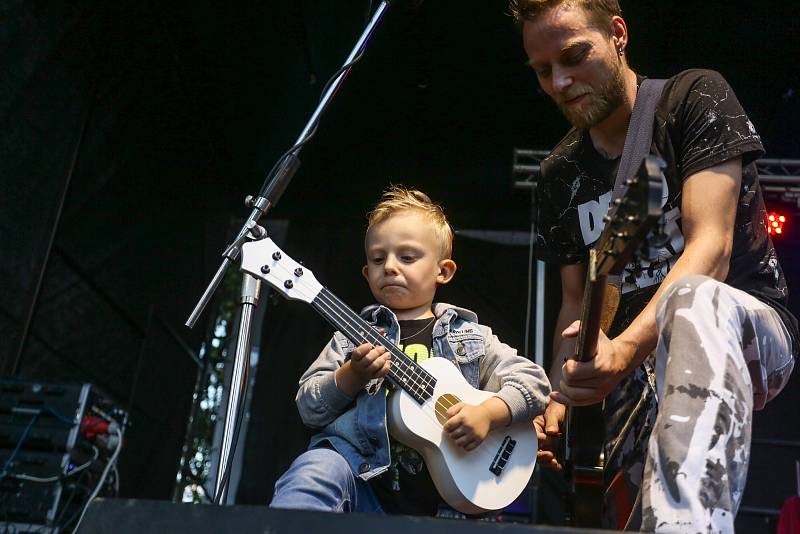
491 442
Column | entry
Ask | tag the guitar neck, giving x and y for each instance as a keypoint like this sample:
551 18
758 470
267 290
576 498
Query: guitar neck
404 372
591 313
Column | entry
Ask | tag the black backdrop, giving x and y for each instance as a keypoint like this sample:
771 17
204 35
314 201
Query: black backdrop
153 120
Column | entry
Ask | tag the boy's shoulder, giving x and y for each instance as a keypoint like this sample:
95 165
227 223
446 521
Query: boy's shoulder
442 308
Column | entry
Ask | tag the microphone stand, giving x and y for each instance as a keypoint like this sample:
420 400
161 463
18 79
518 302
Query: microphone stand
274 186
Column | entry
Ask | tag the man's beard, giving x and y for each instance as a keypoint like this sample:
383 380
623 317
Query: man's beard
604 100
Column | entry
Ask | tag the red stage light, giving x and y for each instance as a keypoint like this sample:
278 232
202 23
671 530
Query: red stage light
775 223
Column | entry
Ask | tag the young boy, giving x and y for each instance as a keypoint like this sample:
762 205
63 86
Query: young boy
353 465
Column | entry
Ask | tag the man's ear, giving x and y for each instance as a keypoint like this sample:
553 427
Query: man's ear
619 33
365 272
447 268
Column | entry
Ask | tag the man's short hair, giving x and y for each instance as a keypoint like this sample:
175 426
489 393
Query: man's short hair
600 11
398 198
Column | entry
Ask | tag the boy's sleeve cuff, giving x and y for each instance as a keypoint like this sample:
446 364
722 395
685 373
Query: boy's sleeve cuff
516 399
330 393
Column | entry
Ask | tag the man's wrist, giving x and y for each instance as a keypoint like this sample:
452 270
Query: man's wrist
629 348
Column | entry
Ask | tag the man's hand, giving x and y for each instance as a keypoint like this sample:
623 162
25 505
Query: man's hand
468 425
548 432
585 383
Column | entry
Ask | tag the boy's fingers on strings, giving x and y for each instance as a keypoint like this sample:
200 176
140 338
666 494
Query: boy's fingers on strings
452 424
361 351
373 354
454 409
385 369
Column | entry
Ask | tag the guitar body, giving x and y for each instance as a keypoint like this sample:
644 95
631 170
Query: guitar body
464 479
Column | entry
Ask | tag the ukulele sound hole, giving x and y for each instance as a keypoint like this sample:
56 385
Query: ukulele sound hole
444 403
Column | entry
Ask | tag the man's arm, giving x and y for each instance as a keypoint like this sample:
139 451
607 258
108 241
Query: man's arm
548 426
708 212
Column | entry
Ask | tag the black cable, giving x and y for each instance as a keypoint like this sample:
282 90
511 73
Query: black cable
299 144
4 472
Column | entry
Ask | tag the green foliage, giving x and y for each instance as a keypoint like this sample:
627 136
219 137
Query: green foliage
195 462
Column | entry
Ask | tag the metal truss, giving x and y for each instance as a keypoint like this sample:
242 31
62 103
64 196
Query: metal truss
777 176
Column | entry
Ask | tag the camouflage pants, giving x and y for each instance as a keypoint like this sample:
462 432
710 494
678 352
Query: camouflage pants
679 427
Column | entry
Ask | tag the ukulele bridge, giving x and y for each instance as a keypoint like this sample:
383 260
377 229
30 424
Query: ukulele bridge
502 456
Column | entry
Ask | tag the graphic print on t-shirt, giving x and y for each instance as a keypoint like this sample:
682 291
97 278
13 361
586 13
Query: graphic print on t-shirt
416 351
644 270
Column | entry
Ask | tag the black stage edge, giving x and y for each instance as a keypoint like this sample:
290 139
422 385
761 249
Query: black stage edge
130 516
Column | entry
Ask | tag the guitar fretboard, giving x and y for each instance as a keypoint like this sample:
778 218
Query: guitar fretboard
404 372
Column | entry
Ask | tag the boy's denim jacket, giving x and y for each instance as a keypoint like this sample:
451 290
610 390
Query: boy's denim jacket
357 428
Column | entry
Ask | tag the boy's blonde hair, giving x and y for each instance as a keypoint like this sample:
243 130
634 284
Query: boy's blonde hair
398 198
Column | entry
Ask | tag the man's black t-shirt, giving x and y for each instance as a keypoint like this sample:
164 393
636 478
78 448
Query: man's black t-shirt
407 487
699 123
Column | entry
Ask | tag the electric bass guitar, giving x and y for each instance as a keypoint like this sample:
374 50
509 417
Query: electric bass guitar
627 223
486 478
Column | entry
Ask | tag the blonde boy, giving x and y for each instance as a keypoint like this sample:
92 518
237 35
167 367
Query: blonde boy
353 465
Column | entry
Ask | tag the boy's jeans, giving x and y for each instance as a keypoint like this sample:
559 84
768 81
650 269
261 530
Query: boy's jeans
321 479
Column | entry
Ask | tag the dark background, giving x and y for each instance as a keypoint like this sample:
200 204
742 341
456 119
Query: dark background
152 121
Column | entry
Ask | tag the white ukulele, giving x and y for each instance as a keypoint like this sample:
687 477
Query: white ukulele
487 478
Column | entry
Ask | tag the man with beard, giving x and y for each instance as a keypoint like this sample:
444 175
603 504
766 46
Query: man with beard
703 336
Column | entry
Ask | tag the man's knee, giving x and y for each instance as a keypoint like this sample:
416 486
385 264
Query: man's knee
682 294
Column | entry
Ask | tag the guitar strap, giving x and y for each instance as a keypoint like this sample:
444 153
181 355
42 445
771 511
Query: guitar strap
637 147
640 133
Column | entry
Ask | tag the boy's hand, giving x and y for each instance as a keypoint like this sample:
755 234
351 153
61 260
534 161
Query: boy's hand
468 425
548 431
370 362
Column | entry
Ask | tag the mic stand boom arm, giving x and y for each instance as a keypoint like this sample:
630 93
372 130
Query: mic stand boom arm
277 181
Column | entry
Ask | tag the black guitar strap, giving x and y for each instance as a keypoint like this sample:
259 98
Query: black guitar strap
640 133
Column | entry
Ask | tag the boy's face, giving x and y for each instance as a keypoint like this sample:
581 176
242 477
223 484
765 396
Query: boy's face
403 266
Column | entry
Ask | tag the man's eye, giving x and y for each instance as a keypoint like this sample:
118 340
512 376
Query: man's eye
574 59
542 73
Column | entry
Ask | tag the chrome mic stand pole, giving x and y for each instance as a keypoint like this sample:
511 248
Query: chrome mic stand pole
273 188
238 387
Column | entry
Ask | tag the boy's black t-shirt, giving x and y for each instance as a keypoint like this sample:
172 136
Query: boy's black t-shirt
407 487
699 123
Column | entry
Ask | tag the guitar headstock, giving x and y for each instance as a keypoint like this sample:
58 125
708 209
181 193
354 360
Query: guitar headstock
630 218
266 261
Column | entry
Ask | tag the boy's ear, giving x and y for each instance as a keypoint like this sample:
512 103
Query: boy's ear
365 272
447 268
